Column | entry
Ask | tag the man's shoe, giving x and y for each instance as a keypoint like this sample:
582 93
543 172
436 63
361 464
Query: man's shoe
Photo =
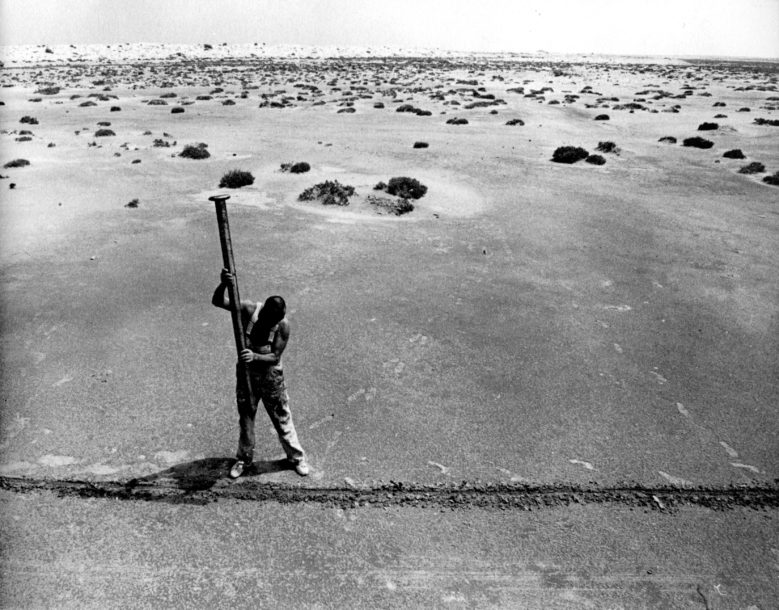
237 469
302 468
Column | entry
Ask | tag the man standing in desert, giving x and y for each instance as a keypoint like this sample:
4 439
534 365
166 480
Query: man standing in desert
267 331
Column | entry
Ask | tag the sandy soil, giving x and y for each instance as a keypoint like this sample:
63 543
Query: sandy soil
528 323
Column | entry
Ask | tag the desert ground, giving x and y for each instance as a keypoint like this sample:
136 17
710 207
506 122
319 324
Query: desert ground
549 384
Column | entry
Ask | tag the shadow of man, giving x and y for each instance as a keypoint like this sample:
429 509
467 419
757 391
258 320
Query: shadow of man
203 474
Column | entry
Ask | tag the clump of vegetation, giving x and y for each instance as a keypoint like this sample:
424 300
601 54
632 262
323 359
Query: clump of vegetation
736 153
17 163
168 95
602 117
160 143
195 151
236 178
203 98
393 206
132 204
87 103
708 126
752 168
515 122
404 187
115 109
102 133
771 122
176 110
595 160
697 142
29 120
607 147
157 102
569 154
329 192
421 144
773 179
380 186
346 111
48 91
296 168
456 121
667 140
379 105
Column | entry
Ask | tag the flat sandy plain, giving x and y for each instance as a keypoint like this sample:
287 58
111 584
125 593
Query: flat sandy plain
531 328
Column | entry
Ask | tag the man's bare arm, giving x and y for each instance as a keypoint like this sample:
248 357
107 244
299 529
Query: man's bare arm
221 297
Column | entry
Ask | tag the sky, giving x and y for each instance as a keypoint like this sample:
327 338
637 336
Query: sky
737 28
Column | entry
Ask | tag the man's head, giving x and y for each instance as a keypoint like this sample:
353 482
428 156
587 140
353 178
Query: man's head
273 310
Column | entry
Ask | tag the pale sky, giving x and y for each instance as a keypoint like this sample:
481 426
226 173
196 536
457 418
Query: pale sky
740 28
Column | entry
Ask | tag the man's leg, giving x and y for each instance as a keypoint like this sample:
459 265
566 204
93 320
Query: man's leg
276 401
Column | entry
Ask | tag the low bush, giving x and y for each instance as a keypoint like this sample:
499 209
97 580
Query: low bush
329 192
405 187
379 105
752 168
708 126
296 168
29 120
115 109
607 147
131 204
667 140
87 103
48 91
569 154
456 121
421 144
195 151
346 111
771 122
736 153
393 206
515 122
602 117
176 110
157 102
101 133
697 142
773 179
595 160
17 163
236 178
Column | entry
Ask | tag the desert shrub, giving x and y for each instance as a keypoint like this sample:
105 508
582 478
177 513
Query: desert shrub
115 109
736 153
667 140
744 109
773 179
405 108
228 103
346 111
101 133
48 91
157 103
405 187
103 124
29 120
236 178
131 204
24 139
168 95
752 168
17 163
696 142
772 122
719 104
456 121
160 143
87 103
515 122
296 168
203 98
329 192
195 151
720 116
393 206
569 154
602 117
379 105
176 110
708 126
595 160
421 144
607 147
380 186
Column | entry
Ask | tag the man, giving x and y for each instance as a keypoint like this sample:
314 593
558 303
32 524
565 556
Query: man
267 331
